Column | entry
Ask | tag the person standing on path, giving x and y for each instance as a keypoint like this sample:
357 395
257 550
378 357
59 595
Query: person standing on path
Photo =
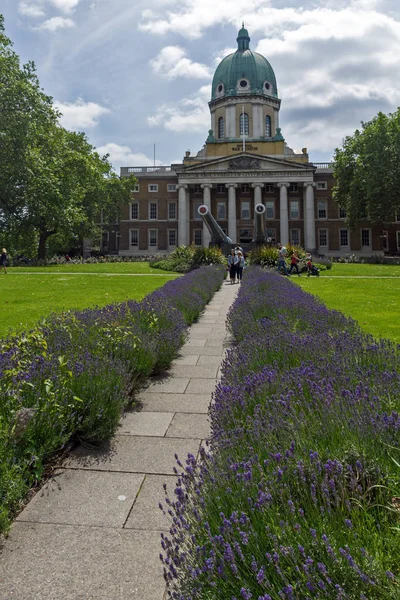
282 253
293 263
240 266
232 265
3 260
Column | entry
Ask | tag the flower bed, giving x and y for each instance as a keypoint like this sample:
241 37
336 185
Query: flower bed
299 497
75 373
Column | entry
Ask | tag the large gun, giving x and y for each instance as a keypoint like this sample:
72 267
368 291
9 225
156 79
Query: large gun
218 237
259 224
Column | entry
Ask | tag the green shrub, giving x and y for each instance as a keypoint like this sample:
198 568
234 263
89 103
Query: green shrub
186 258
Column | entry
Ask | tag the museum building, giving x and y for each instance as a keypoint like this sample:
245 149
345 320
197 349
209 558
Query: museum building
244 161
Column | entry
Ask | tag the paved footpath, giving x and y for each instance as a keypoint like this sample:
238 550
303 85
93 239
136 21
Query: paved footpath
93 531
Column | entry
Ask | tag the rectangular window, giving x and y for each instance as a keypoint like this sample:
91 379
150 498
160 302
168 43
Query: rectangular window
344 237
153 210
293 187
385 240
221 189
198 237
365 237
221 210
172 211
398 239
172 187
295 237
197 189
269 187
271 235
270 209
134 238
323 238
397 216
245 188
196 215
245 210
136 189
342 213
322 212
153 238
105 239
171 237
153 187
322 185
134 211
294 209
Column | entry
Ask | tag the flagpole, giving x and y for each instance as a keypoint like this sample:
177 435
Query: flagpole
244 142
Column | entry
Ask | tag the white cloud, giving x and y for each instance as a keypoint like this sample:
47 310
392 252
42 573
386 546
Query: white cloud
172 62
124 156
80 115
30 10
57 23
66 6
190 114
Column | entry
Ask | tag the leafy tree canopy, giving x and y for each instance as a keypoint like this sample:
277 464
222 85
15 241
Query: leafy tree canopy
52 181
367 171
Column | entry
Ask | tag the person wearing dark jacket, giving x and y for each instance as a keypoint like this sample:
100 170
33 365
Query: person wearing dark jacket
3 260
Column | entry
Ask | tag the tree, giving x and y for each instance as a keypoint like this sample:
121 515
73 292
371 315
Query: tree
367 171
52 181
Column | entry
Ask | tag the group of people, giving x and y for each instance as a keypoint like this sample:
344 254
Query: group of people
236 264
294 260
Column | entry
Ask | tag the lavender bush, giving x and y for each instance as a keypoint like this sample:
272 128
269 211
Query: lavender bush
299 494
75 373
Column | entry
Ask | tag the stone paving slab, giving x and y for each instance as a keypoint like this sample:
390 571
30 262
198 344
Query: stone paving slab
187 403
196 327
190 360
201 386
203 361
189 426
196 342
168 385
133 454
219 342
216 351
147 424
145 513
92 498
205 372
61 562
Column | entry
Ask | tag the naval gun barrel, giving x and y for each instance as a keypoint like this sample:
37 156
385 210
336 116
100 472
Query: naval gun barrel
259 224
218 237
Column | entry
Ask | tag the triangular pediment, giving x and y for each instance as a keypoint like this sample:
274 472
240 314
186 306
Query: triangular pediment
245 161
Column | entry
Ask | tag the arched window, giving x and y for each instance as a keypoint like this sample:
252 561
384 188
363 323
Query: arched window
220 128
267 126
244 124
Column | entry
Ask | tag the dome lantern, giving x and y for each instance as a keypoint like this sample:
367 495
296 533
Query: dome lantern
243 39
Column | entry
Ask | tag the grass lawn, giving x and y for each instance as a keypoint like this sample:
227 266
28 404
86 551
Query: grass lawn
370 294
31 293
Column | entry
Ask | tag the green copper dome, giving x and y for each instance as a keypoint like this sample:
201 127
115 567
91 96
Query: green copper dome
244 71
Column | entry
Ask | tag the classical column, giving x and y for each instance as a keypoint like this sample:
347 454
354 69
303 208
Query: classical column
232 211
257 192
183 215
206 187
309 219
284 213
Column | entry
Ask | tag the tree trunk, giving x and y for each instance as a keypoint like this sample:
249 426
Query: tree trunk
42 245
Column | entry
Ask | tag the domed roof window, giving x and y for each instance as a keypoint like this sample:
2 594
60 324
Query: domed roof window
244 64
220 89
243 85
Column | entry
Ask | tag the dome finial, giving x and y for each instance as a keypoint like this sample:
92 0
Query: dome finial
243 38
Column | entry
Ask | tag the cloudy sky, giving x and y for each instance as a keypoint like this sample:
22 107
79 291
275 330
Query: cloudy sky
133 73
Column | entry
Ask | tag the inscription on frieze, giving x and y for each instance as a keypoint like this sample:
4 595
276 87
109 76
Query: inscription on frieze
239 147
